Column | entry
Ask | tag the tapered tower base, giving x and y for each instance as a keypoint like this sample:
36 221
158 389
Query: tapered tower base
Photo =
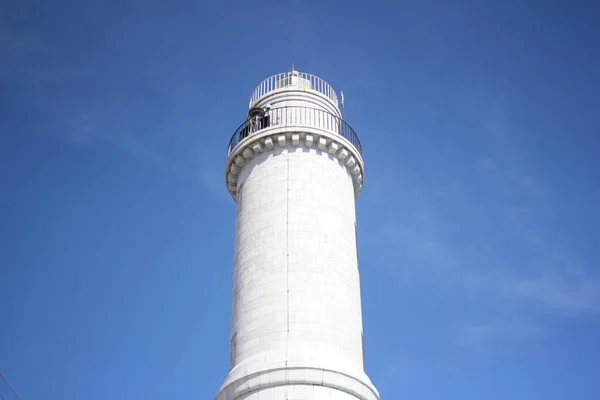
296 383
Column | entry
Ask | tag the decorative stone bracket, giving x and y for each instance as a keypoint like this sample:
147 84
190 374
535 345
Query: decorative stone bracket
300 136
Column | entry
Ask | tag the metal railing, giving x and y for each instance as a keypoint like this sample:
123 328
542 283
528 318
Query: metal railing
293 78
295 116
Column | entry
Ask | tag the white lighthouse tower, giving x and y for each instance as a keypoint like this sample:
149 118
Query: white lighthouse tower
295 169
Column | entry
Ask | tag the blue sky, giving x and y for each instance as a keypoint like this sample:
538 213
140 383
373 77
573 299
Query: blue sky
477 224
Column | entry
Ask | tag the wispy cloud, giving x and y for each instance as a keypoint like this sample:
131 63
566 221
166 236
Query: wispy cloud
556 285
556 292
481 336
14 41
215 182
508 257
83 129
559 293
18 44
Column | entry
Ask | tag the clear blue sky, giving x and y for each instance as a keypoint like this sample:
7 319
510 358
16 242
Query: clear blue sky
478 222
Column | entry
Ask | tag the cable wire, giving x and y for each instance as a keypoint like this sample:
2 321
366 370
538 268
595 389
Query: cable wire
12 389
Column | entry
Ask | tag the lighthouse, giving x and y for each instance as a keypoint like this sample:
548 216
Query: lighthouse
295 170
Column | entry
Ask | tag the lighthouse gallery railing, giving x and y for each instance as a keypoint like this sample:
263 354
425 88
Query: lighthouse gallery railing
285 79
295 116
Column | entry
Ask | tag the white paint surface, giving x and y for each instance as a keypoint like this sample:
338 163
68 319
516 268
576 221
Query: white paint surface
296 317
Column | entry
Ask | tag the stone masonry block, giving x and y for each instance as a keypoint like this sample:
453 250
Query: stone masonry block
308 140
333 148
235 169
269 143
248 153
240 161
342 154
295 139
322 143
257 148
281 140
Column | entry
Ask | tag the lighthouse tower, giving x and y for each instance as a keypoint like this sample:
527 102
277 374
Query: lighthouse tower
294 168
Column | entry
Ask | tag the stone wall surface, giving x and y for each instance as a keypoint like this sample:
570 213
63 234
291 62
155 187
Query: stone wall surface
296 329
